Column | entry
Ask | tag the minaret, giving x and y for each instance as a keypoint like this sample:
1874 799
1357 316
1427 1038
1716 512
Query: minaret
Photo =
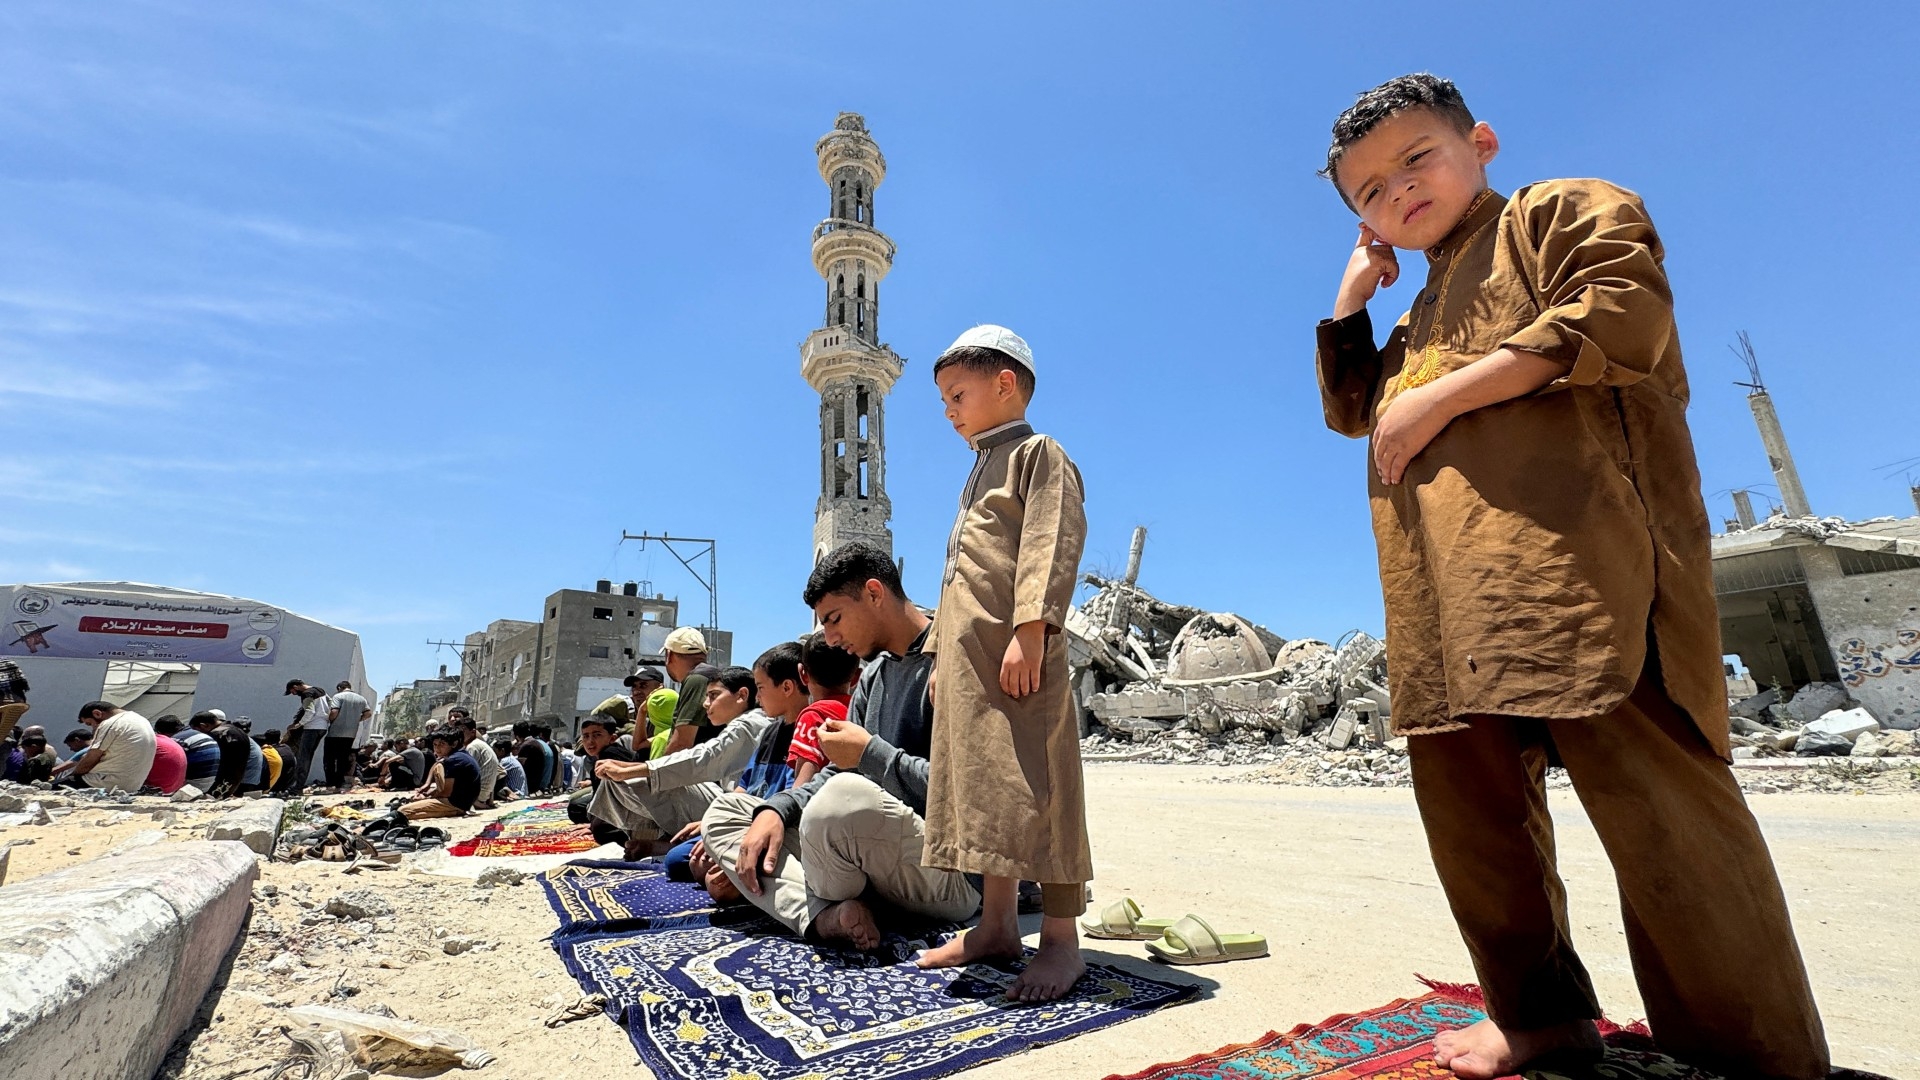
844 359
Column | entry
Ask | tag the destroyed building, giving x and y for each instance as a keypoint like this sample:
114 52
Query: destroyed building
1142 666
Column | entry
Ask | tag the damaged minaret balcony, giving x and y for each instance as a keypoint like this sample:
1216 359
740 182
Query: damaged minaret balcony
1143 666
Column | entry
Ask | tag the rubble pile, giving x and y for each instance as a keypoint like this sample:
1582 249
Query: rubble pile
1818 720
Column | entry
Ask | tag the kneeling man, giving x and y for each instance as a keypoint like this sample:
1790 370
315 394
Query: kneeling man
808 856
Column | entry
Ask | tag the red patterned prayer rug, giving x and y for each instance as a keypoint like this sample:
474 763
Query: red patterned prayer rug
537 830
1395 1042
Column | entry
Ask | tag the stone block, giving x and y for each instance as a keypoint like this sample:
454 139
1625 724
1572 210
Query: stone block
1848 724
1755 707
103 964
1815 700
257 825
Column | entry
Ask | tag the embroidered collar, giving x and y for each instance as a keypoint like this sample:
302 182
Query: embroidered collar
1486 206
1012 431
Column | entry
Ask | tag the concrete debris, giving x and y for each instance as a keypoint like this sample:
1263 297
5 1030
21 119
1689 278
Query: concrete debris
1755 707
1822 744
358 904
454 946
143 838
1848 724
1143 667
1815 700
187 793
499 875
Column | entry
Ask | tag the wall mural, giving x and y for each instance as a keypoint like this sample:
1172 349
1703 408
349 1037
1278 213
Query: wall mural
1858 663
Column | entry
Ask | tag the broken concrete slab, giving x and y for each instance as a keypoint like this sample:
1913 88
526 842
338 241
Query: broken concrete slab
257 825
104 964
1815 700
1755 707
1848 724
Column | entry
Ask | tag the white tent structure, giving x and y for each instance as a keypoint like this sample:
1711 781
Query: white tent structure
160 650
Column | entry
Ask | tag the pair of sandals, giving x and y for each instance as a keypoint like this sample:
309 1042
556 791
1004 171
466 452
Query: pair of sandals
398 837
1190 940
334 843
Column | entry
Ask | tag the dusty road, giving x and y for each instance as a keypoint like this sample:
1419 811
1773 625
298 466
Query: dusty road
1337 878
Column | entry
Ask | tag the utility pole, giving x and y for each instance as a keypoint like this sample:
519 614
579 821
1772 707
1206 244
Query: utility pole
1772 436
711 582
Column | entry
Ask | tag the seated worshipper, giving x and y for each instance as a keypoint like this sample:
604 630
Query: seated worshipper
686 653
366 764
473 741
238 754
282 742
534 755
649 699
77 742
781 691
829 671
545 733
273 765
203 755
598 739
120 755
169 771
513 775
39 758
15 759
407 769
809 855
453 784
653 800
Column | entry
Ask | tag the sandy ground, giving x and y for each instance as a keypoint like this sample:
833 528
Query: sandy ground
1337 878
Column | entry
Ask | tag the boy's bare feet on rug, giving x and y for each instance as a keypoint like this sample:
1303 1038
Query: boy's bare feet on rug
980 945
1485 1050
1051 973
848 923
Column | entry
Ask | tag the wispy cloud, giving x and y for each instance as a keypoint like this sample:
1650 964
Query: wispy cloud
65 383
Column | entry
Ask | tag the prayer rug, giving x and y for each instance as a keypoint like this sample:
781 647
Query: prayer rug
605 896
755 1001
537 830
1395 1042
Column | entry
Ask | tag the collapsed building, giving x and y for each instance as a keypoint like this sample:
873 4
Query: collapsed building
1142 666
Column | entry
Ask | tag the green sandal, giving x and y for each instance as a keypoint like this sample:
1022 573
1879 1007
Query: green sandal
1192 941
1121 921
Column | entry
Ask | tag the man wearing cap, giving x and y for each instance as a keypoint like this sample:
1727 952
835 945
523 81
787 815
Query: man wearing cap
686 650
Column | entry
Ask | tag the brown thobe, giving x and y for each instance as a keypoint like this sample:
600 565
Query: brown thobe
1548 585
1004 794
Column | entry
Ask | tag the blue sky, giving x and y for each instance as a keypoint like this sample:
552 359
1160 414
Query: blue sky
397 315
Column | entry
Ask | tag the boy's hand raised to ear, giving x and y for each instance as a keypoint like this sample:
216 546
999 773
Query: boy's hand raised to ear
1371 267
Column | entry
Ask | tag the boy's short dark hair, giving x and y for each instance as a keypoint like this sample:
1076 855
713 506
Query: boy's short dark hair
735 679
503 747
271 738
987 362
80 735
829 665
168 725
781 663
847 569
447 736
605 723
1420 90
205 716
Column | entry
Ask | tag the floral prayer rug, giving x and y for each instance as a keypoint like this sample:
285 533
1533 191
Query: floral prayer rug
537 830
605 896
753 1001
1395 1042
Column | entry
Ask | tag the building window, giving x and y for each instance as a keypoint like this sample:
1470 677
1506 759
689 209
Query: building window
548 652
543 691
551 612
604 614
597 652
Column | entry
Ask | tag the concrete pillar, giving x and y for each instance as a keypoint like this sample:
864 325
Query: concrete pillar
1792 496
1743 508
1915 492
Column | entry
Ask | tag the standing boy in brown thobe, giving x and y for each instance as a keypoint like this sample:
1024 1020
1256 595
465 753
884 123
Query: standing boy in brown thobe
1004 792
1543 550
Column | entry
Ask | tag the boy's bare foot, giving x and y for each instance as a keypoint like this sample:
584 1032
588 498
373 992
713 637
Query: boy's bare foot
1485 1050
1051 973
848 923
977 946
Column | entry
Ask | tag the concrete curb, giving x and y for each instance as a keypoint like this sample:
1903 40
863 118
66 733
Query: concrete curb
256 825
104 964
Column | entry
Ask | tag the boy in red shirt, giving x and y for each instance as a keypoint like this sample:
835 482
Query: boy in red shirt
829 671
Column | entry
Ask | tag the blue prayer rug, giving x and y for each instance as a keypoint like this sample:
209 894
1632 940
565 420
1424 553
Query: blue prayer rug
599 896
703 1000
